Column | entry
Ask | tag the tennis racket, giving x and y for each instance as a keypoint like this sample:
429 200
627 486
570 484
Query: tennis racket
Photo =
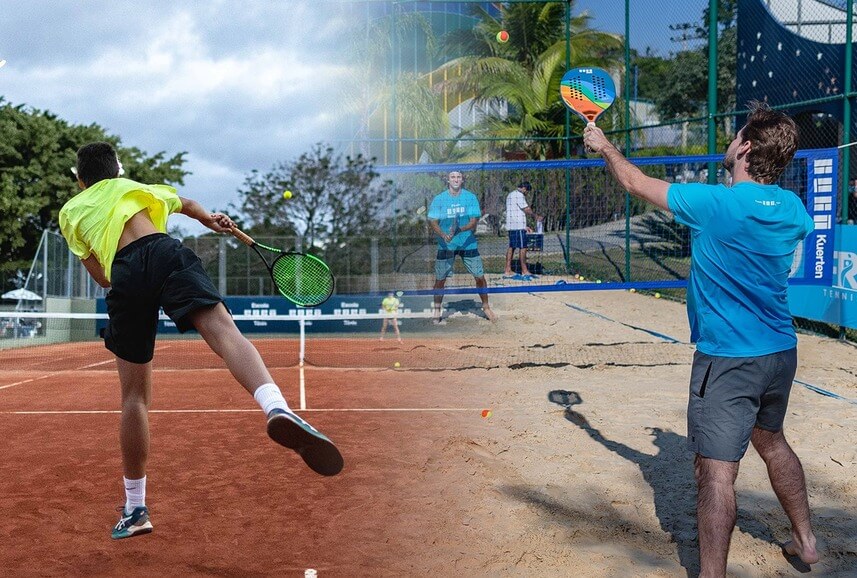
303 279
588 92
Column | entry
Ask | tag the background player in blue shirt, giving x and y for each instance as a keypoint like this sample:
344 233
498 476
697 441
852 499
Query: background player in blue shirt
744 239
453 215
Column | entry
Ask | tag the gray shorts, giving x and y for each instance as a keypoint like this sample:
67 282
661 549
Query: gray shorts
731 395
446 259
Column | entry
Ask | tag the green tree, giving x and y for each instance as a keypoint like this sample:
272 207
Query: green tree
335 198
37 151
685 92
652 73
517 82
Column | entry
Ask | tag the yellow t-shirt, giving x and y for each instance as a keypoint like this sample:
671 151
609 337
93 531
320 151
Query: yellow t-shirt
390 304
93 220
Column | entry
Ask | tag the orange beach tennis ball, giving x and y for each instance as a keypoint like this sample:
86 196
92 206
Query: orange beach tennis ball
486 413
502 37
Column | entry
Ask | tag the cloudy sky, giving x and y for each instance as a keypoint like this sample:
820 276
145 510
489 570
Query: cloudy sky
238 84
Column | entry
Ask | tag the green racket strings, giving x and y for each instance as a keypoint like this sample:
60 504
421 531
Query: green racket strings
304 279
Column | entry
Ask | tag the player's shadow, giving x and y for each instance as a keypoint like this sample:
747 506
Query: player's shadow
464 306
670 475
669 472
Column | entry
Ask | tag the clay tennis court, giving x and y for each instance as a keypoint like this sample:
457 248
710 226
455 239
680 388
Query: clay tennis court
580 471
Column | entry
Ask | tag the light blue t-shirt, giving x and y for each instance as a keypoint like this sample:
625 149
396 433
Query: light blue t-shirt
744 239
450 210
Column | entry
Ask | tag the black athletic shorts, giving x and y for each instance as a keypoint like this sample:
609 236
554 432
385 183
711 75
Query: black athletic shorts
152 272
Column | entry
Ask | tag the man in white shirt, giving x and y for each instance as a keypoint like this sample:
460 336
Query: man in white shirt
517 210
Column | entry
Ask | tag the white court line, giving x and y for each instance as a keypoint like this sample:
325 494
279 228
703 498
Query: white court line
26 381
64 371
116 411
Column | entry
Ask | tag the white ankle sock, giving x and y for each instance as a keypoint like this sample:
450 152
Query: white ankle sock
270 397
135 493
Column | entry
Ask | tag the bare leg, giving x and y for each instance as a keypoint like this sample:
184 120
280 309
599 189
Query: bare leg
510 252
395 323
481 283
243 360
136 383
383 329
789 484
246 365
716 513
524 269
438 299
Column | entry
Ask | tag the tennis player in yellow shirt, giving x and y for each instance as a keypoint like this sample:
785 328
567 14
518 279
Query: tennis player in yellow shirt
117 227
390 304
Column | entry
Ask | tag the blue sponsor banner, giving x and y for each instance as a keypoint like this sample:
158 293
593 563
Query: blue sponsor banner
837 302
262 309
814 265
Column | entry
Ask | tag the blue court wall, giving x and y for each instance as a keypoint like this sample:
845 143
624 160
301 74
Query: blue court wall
261 308
835 304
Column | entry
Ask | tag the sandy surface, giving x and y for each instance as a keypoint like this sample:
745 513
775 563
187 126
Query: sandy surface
582 469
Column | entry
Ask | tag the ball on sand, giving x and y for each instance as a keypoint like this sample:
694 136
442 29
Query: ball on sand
502 37
287 194
486 413
397 364
632 290
657 295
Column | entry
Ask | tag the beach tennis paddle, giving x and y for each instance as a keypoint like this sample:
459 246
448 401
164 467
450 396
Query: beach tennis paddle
303 279
588 92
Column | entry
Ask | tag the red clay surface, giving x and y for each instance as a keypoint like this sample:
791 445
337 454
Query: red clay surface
224 499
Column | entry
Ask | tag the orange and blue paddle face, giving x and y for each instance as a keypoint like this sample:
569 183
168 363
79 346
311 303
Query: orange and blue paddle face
587 91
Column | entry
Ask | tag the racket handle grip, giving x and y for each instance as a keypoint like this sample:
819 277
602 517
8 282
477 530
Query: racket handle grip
242 236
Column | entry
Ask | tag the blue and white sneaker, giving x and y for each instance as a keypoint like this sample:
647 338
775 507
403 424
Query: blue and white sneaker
133 524
290 430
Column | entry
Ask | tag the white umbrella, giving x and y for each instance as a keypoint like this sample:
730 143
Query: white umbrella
22 295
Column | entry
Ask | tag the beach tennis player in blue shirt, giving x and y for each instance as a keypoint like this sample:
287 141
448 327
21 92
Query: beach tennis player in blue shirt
744 239
117 227
453 216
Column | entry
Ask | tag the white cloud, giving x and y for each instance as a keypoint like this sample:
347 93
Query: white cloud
239 85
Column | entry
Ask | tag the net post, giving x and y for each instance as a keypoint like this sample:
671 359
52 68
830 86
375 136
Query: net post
301 355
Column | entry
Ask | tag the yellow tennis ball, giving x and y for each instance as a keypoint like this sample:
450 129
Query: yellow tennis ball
287 195
397 364
632 290
657 295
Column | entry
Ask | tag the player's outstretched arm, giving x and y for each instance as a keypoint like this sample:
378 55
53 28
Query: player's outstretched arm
217 222
629 176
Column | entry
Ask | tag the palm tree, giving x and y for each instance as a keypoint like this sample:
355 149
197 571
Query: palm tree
521 78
